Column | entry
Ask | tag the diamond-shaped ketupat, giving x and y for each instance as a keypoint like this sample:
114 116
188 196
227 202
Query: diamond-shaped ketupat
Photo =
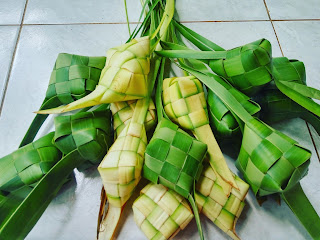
270 161
87 132
160 212
27 165
173 158
223 210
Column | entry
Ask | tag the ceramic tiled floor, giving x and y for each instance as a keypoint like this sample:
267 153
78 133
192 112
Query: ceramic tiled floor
33 32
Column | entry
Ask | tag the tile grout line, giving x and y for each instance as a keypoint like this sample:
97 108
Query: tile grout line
308 127
4 91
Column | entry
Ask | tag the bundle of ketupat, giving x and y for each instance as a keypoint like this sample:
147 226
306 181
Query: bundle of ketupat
122 113
160 212
123 78
72 78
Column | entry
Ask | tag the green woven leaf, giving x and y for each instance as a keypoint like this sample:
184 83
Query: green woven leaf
173 158
123 78
221 208
270 161
123 111
27 165
160 212
87 132
72 78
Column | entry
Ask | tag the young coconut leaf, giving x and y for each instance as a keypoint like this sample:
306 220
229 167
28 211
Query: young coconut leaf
174 159
88 132
90 139
27 165
122 113
72 78
289 76
123 78
271 162
184 103
160 212
247 68
222 210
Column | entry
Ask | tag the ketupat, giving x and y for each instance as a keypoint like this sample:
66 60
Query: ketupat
122 113
123 78
27 165
72 78
222 210
184 103
160 212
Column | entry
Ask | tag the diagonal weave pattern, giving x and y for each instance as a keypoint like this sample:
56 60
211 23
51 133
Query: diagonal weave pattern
223 123
270 161
27 165
123 111
120 169
173 158
161 212
247 68
87 132
223 210
184 102
72 78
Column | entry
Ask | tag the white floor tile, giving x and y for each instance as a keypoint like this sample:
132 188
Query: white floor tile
80 11
11 11
8 37
294 9
219 10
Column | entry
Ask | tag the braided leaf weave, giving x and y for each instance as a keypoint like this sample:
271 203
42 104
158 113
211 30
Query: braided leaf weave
247 68
223 210
123 111
120 169
27 165
173 158
223 123
270 161
184 102
161 212
87 132
72 78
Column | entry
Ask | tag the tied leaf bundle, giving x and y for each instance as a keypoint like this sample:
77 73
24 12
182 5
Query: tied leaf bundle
27 165
122 113
185 104
161 212
123 78
221 209
87 132
174 159
72 78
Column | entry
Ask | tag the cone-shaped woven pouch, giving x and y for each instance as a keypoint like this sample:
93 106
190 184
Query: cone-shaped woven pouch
123 78
72 78
160 212
247 68
27 165
89 133
120 169
184 103
223 123
123 111
222 210
173 158
270 161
